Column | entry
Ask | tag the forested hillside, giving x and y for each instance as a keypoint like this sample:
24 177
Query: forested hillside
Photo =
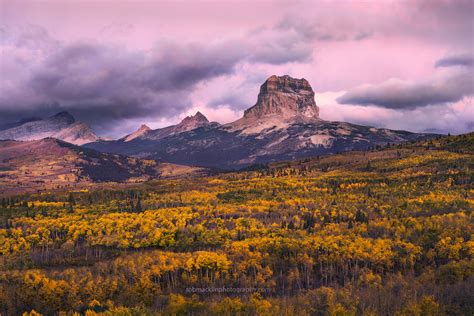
383 232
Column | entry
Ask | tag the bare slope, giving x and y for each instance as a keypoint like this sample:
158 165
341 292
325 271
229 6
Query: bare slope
50 163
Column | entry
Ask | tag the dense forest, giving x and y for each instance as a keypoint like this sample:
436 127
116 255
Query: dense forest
383 232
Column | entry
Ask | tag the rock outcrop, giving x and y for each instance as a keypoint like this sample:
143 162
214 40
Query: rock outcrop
285 97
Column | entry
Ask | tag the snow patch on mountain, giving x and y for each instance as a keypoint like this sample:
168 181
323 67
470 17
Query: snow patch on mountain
321 140
62 126
278 141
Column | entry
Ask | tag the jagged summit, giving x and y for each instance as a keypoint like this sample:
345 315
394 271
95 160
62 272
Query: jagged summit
191 122
142 130
285 97
144 127
198 117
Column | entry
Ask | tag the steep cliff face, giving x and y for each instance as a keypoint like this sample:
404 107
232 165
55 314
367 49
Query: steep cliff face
286 97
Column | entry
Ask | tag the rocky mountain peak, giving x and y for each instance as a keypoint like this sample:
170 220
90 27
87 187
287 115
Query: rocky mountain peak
200 116
187 124
192 122
196 118
142 130
285 97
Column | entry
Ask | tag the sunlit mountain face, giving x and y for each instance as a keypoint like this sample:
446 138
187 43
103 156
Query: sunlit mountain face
209 157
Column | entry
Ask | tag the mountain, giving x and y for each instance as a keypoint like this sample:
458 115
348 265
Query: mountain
285 97
187 124
283 124
51 163
141 132
191 122
62 126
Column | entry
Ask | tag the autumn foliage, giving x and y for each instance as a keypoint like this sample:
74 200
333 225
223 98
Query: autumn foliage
385 232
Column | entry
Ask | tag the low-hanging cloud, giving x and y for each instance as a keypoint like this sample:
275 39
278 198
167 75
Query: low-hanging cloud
463 60
455 118
402 94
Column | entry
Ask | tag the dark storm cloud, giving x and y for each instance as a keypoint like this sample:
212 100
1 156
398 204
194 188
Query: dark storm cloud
177 67
465 60
399 94
96 74
102 84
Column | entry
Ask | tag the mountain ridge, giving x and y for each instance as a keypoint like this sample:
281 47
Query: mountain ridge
283 124
143 129
186 124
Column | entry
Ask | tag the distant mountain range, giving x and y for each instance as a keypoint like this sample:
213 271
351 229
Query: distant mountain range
187 124
284 124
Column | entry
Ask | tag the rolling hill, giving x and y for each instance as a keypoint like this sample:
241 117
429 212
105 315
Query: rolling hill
51 163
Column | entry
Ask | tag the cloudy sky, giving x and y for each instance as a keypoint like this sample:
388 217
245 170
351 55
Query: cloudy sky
118 64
